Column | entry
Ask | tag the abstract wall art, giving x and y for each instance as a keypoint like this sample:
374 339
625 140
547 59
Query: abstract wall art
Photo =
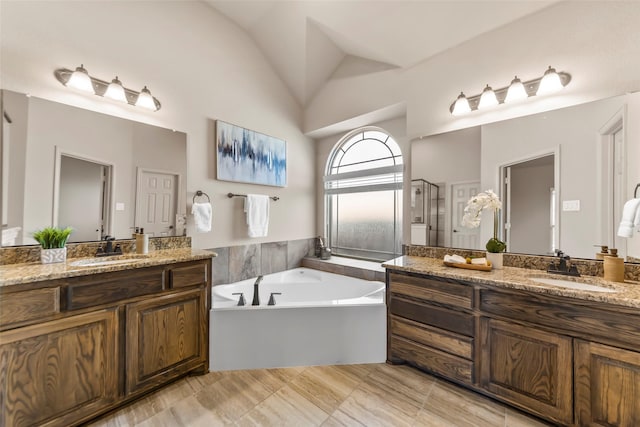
247 156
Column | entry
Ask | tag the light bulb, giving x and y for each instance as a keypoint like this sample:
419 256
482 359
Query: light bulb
516 91
145 100
80 80
488 98
115 91
550 82
461 106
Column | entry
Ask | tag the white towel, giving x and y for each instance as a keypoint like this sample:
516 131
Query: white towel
257 208
630 218
202 216
456 259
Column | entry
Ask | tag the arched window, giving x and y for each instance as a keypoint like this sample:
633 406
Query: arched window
363 196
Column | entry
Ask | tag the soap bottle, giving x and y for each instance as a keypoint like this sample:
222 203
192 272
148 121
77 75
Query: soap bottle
613 267
142 242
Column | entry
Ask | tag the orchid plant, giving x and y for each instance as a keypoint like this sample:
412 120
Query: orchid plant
473 213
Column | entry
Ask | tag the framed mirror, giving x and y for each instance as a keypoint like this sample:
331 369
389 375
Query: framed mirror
99 174
563 177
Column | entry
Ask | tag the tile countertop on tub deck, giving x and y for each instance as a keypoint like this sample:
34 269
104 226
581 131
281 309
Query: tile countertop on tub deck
16 274
626 294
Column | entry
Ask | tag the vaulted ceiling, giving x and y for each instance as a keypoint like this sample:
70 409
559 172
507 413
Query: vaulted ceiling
311 42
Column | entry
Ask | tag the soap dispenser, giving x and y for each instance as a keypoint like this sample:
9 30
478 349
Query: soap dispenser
613 267
604 251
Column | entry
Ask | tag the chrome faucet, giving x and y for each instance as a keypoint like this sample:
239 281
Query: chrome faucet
256 294
563 266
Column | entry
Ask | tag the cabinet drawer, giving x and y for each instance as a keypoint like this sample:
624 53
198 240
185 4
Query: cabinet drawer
431 289
34 304
442 363
460 323
189 275
455 344
113 287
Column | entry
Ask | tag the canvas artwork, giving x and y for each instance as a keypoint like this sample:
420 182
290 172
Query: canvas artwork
248 156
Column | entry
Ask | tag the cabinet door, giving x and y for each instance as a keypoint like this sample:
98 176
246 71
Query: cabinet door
529 368
607 385
166 337
59 372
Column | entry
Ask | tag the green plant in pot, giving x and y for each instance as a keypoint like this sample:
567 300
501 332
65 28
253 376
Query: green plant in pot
472 215
53 241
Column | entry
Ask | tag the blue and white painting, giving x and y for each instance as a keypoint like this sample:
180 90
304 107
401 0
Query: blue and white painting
248 156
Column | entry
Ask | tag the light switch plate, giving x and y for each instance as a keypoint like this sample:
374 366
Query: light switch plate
119 206
571 205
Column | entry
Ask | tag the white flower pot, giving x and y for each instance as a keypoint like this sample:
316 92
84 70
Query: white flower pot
50 256
496 259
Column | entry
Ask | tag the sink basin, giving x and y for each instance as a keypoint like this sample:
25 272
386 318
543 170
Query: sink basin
97 262
570 284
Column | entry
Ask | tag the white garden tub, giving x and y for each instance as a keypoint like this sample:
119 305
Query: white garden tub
320 319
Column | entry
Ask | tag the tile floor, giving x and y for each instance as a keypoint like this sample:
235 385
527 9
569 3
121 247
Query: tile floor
347 395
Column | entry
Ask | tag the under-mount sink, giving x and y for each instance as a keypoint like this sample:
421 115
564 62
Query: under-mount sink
571 284
97 262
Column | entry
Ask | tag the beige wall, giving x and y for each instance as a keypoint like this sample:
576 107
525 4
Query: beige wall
197 63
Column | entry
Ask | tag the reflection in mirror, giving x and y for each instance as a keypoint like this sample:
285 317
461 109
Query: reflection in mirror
99 174
571 171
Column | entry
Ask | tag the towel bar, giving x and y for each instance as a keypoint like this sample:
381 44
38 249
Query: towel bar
230 195
199 194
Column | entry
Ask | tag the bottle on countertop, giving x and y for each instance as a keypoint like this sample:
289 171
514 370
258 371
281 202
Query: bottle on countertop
613 266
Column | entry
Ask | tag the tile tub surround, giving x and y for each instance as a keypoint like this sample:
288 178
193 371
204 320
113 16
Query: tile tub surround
237 263
367 270
31 253
626 294
587 267
16 274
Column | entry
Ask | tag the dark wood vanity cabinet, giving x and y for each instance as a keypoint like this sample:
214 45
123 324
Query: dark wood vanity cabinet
430 325
572 362
101 340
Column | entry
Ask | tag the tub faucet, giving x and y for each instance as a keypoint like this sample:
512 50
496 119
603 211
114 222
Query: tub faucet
256 294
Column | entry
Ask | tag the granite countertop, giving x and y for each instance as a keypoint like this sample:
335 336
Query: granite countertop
626 294
16 274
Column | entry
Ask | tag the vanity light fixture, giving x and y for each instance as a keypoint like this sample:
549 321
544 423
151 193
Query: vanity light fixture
80 79
550 82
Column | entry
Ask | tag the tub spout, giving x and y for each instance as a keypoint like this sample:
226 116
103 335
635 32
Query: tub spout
256 293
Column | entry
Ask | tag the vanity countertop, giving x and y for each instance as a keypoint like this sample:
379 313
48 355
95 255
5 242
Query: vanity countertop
626 294
17 274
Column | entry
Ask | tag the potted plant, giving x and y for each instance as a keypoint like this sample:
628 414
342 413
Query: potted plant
53 241
472 213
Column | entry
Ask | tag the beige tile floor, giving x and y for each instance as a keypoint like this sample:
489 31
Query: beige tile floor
347 395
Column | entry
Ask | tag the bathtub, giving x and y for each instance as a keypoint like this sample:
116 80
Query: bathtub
320 319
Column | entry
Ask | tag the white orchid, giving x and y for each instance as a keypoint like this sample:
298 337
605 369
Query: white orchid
473 213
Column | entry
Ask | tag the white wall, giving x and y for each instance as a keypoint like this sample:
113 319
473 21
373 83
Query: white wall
597 42
198 64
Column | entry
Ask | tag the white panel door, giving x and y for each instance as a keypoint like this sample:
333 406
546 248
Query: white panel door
156 202
463 237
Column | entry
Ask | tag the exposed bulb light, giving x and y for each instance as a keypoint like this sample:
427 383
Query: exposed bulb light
80 80
115 91
145 100
461 106
516 91
550 82
488 98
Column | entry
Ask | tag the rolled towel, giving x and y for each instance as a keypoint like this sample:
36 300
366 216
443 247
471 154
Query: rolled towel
630 218
479 261
202 216
456 259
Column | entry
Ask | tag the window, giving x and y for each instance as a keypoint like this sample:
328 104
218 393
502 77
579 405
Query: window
363 196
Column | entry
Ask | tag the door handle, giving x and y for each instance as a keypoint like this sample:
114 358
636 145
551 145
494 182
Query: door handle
455 231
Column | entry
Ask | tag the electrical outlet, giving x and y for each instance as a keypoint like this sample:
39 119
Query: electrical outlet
571 205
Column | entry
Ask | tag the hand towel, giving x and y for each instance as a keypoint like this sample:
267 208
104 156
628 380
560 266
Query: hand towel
456 259
257 208
202 216
630 218
479 261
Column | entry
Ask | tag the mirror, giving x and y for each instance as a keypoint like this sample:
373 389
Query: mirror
99 174
563 177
